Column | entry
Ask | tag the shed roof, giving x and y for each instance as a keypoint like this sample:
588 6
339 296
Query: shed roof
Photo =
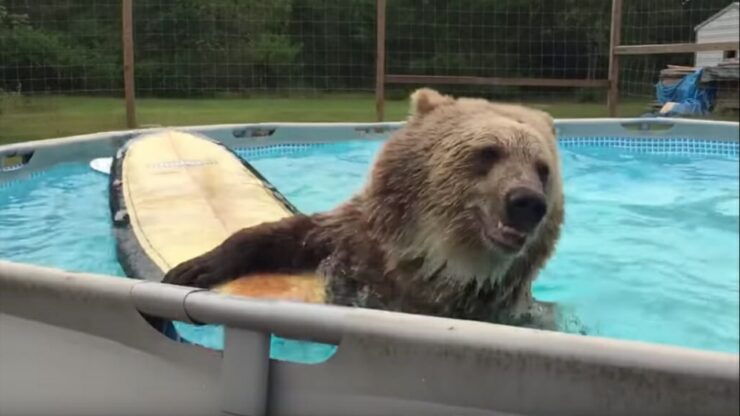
733 5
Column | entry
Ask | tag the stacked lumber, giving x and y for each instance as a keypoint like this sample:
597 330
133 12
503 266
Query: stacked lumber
672 74
726 77
730 62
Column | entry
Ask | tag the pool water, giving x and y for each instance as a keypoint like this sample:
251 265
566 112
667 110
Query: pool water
649 250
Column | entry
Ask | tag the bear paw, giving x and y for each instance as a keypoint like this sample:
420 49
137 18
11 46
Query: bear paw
203 271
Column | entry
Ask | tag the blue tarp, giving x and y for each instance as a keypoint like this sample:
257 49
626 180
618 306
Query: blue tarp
690 97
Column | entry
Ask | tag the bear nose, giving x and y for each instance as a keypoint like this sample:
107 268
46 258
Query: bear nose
525 208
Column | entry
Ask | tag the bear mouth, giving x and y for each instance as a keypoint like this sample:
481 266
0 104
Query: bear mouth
505 237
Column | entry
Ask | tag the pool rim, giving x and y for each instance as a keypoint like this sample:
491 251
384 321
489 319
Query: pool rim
34 155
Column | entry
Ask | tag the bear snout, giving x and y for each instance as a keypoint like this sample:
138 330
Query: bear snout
525 208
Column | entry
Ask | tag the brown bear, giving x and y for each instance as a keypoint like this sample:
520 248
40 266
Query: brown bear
462 209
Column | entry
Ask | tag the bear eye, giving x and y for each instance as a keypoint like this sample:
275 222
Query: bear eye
485 157
543 171
490 153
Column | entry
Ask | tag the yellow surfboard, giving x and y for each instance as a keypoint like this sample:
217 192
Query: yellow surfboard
176 195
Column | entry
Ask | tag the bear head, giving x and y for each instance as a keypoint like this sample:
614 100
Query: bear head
467 184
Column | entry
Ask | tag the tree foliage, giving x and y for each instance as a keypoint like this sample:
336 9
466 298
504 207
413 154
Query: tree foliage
199 47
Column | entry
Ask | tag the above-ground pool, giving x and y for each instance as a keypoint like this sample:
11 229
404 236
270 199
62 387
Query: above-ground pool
649 249
649 253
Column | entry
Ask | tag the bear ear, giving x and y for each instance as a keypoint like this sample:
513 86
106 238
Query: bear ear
424 100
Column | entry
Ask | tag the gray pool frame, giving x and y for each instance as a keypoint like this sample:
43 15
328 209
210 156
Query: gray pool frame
78 344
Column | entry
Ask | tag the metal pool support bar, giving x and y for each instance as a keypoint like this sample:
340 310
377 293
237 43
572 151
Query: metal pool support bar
78 344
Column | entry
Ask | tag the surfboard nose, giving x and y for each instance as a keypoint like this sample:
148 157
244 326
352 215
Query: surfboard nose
185 194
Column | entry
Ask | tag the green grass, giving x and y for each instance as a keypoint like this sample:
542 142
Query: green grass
32 118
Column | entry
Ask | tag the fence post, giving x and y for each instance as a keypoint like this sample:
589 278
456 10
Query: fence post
127 19
380 61
614 41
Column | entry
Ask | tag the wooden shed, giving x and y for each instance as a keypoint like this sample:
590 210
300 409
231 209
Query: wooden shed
722 26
